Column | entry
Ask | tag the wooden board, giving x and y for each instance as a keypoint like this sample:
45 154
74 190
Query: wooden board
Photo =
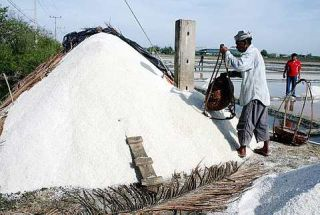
143 162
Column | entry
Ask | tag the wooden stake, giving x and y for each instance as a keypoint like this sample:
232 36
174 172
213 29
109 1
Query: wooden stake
5 78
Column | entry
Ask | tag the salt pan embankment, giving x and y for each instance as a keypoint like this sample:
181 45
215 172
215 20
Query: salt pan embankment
70 129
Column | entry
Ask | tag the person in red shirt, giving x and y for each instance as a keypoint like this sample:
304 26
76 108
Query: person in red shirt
292 70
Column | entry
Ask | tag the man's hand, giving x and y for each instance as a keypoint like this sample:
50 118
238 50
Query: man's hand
231 74
284 75
223 49
223 74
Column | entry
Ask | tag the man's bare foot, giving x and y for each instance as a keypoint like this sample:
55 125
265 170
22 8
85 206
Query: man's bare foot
262 151
241 151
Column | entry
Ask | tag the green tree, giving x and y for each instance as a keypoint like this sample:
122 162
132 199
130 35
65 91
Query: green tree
167 50
153 49
22 48
264 53
309 55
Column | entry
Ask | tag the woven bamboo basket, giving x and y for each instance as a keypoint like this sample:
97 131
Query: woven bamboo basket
221 94
286 135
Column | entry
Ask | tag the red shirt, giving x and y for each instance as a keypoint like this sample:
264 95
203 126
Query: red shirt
293 68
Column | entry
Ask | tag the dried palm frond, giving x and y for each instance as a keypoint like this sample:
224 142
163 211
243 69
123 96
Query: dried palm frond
208 188
30 80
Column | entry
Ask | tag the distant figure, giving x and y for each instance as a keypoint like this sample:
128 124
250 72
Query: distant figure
201 62
292 70
254 93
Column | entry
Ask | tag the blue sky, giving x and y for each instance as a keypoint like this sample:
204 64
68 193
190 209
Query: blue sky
280 26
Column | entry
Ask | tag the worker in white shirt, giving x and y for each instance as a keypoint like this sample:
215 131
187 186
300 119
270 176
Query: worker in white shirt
254 94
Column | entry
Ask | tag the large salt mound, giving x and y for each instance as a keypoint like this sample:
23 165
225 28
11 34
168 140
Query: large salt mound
70 128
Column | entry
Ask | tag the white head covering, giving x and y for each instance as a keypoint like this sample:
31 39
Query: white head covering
242 35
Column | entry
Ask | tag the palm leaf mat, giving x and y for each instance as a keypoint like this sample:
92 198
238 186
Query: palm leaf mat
205 189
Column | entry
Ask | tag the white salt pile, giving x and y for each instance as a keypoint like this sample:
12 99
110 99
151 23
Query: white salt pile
294 192
70 128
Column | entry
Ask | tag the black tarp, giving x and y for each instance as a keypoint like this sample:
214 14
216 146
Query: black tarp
74 38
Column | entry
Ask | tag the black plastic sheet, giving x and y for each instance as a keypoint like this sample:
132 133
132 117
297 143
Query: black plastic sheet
74 38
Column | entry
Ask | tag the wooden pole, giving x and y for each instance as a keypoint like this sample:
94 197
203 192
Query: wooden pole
5 78
185 42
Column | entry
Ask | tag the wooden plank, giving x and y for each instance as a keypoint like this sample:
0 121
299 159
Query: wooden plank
152 181
147 171
143 161
138 150
134 140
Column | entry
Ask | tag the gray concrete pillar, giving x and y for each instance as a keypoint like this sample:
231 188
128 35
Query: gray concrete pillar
185 46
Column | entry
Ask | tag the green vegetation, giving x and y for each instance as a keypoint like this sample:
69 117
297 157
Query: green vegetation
22 48
264 53
166 50
274 56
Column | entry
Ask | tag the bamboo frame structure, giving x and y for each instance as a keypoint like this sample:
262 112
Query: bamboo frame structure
30 80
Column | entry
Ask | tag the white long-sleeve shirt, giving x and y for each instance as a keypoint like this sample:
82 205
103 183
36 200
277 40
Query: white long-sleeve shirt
253 71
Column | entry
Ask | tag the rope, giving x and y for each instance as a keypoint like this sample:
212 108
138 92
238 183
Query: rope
308 89
168 73
213 78
232 106
214 74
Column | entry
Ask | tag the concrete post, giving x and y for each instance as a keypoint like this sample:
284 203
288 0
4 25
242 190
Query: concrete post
185 46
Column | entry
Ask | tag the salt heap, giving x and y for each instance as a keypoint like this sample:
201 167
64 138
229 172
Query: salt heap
293 192
70 128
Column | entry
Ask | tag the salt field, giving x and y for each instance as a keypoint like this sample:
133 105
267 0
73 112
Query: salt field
276 84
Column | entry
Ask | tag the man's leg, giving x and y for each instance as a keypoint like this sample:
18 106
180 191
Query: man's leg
245 128
265 147
265 151
294 82
288 85
261 131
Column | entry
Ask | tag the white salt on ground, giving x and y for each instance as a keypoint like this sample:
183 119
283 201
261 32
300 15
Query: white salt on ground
295 192
70 128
